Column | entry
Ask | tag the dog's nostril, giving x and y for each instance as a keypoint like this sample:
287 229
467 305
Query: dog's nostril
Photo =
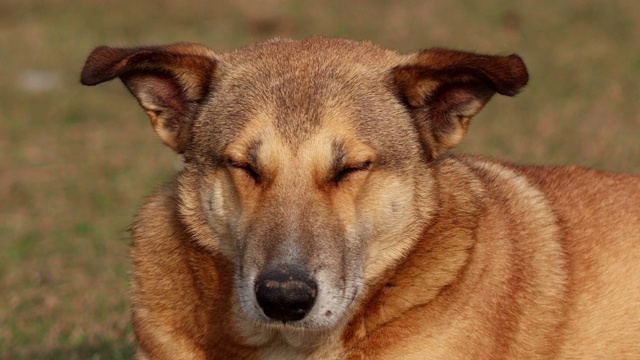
285 294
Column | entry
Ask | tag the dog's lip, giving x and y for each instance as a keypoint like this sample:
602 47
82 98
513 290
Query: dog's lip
297 325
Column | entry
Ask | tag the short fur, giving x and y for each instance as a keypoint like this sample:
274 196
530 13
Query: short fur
330 156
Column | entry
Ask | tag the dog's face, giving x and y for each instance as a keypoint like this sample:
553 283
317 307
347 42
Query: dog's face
306 162
305 186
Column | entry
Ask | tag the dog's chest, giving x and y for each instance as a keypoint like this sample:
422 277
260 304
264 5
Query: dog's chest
283 352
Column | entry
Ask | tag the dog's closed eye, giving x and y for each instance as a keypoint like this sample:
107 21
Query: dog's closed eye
350 169
245 167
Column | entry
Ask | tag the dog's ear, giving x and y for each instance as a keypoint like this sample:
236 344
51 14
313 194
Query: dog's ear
445 88
170 83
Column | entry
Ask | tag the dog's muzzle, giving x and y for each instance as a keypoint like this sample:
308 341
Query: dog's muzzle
285 293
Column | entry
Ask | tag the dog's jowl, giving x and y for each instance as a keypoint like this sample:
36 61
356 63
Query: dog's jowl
320 216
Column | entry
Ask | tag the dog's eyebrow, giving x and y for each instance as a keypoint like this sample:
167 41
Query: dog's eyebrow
339 155
252 152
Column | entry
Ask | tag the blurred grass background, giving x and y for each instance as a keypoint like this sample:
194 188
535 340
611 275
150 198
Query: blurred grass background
76 162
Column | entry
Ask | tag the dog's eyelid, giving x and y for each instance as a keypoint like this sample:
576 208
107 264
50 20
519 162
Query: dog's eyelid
351 168
245 166
363 165
236 163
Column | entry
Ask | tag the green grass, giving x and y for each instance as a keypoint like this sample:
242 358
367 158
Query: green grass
75 162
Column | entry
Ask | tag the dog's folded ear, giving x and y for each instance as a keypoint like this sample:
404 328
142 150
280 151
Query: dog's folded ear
168 81
445 88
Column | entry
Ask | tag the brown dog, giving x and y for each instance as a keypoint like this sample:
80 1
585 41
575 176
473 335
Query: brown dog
318 215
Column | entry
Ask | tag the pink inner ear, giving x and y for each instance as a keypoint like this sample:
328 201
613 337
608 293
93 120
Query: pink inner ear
455 96
164 92
458 97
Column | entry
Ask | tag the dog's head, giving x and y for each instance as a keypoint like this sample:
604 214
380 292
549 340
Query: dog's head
307 164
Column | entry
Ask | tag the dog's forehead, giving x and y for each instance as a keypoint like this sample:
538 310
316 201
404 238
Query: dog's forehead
303 76
297 86
314 50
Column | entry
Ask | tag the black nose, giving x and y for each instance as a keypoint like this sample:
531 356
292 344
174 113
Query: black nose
285 294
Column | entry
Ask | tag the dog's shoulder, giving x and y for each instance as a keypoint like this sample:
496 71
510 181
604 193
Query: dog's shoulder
180 290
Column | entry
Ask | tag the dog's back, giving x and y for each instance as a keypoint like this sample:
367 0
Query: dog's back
599 215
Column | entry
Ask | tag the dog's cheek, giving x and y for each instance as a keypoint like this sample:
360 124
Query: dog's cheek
389 208
221 209
218 208
376 210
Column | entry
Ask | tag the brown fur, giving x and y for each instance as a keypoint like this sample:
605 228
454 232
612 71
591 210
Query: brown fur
329 156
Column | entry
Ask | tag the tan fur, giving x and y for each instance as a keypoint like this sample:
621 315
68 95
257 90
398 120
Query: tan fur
328 156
